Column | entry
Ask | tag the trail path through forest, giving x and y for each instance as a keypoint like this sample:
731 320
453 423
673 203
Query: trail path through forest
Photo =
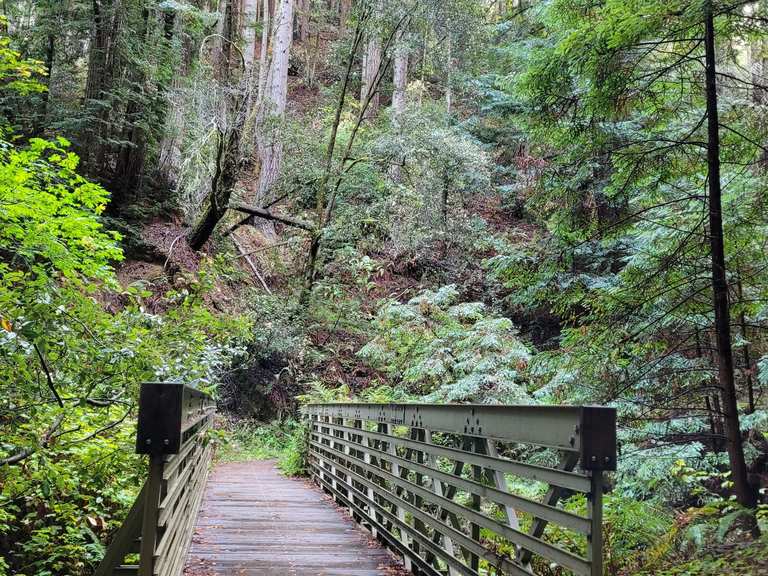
256 522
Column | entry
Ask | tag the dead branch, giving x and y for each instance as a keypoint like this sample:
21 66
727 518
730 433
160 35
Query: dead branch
27 452
267 215
252 266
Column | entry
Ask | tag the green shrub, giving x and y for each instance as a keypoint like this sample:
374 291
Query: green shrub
284 441
450 351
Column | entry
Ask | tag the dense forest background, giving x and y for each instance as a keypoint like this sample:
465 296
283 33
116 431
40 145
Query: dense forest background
507 201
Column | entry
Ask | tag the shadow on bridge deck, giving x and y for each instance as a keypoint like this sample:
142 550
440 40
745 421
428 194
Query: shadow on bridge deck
255 522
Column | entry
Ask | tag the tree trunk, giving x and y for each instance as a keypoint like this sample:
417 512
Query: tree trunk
272 107
248 33
345 7
305 10
746 353
323 211
95 81
50 55
264 50
400 82
218 58
371 64
745 493
224 179
759 67
449 77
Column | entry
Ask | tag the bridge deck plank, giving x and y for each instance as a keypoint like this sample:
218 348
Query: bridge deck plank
255 522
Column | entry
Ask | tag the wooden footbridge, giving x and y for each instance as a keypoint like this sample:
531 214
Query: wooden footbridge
470 490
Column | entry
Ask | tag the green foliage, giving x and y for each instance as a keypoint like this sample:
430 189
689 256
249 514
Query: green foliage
286 441
319 393
442 167
74 346
450 351
50 221
293 458
18 74
736 560
635 532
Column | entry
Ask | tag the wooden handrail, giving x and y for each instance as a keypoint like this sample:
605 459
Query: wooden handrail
425 479
173 419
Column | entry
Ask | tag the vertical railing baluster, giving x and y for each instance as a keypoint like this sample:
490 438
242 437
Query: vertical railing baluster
477 474
395 468
437 488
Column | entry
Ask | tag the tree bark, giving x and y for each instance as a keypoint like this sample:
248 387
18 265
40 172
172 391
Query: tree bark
449 77
746 353
224 180
264 50
371 65
305 11
272 107
400 82
745 493
248 33
345 7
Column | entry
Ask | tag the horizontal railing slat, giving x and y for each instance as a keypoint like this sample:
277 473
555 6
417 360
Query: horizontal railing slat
445 530
545 549
422 539
552 426
563 518
178 484
562 478
177 511
420 562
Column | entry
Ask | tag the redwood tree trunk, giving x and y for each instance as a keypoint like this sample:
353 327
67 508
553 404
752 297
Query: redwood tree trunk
745 493
371 64
248 33
272 107
400 82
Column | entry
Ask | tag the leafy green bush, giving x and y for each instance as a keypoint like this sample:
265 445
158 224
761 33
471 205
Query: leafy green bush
74 346
450 351
285 441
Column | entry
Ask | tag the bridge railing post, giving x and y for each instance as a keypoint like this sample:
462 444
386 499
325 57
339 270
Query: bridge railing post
172 422
149 526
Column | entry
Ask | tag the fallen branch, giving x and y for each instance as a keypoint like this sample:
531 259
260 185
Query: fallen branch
251 264
237 225
267 215
265 248
170 250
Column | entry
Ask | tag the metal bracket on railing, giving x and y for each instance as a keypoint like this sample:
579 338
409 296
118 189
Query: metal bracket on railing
166 412
597 428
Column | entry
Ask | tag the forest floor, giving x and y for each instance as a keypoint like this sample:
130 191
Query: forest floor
737 559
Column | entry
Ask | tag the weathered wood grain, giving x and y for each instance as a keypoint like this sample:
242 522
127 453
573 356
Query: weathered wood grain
255 522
